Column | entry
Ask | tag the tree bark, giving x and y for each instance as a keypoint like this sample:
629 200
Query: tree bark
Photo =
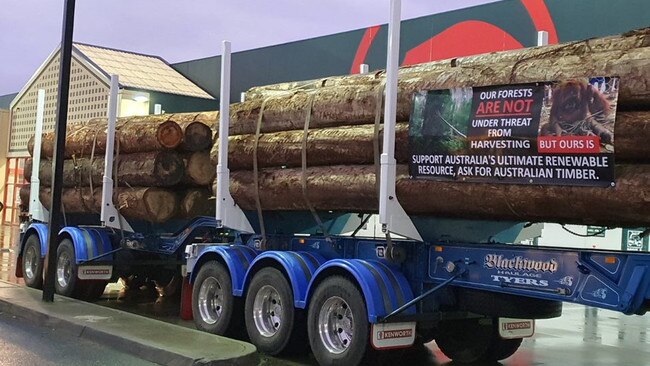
196 202
86 139
352 189
150 169
631 136
325 146
635 39
335 106
353 105
155 205
199 170
352 145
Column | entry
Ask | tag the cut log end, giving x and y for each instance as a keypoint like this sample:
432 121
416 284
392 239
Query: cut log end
161 204
197 136
169 134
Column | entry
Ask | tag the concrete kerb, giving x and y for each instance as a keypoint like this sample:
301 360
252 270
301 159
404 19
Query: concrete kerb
148 339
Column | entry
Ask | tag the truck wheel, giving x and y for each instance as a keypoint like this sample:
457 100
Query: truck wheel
272 322
66 270
501 349
466 340
32 262
214 308
337 322
92 290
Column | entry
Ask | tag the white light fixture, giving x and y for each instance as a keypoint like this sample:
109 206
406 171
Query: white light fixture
140 98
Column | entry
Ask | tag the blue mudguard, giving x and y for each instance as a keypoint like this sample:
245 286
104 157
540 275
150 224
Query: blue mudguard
36 229
384 289
89 243
298 266
617 281
237 258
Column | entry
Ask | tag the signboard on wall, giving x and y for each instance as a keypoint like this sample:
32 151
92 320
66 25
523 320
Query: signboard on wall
634 241
559 133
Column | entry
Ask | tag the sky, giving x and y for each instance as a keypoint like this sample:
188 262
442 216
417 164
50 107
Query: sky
178 30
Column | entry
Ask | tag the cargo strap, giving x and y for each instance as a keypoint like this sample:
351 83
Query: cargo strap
303 180
256 180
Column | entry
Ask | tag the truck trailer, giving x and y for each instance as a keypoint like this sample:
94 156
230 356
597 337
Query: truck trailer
288 280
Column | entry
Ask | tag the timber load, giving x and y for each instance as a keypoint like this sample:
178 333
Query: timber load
316 143
161 167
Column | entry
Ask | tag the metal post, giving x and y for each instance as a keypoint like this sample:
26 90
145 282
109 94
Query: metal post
228 214
391 214
364 69
109 216
59 148
542 38
36 209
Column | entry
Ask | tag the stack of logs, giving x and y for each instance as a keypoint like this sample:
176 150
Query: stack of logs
275 164
342 141
161 171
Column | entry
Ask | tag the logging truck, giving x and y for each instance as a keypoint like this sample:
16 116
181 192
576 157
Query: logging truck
288 280
279 265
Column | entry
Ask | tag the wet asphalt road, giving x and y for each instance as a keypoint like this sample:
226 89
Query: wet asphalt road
26 344
581 337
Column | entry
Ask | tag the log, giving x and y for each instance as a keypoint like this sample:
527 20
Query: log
196 202
149 169
335 106
86 139
325 146
350 105
352 145
23 193
197 136
352 189
155 205
199 170
631 137
634 39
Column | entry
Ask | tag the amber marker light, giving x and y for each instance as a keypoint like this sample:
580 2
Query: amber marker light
437 248
610 260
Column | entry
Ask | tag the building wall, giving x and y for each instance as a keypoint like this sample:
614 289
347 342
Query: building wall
88 98
498 26
4 139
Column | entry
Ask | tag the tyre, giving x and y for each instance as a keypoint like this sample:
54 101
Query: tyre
337 322
474 340
214 309
92 290
32 262
501 349
66 282
274 326
508 306
465 340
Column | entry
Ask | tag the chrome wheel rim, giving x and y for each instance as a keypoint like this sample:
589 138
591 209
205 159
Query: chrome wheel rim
336 325
30 262
267 311
211 300
63 270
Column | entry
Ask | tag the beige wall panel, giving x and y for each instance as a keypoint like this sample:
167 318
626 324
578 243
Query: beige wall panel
88 98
